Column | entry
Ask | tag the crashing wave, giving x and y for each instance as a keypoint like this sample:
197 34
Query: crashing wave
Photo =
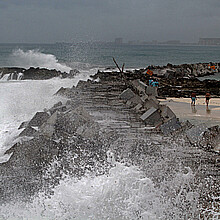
35 58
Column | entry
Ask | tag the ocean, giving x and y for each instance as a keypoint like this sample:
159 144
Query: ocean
89 55
126 192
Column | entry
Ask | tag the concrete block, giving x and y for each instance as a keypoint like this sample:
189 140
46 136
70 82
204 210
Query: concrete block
151 91
139 85
81 111
154 99
81 84
150 103
23 124
127 94
151 117
57 104
28 131
129 103
148 113
48 127
136 100
137 107
38 119
195 134
61 108
166 112
170 126
144 97
69 121
88 131
66 92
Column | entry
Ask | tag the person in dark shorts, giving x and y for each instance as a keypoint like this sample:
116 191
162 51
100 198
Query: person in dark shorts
207 98
193 97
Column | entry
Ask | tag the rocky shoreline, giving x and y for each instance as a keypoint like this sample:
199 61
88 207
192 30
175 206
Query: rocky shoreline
16 73
174 80
118 113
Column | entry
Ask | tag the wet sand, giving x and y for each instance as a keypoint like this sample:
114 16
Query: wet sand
195 114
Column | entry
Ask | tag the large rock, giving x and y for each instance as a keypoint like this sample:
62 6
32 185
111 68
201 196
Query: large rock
40 73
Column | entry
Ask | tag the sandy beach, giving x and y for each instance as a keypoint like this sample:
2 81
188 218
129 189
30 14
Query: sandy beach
195 114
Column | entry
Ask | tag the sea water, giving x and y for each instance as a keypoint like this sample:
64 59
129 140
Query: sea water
87 55
127 191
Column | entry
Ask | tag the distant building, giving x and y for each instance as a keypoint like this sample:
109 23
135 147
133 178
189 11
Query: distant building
118 40
209 41
172 42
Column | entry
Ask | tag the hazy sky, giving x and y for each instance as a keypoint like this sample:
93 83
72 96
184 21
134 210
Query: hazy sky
81 20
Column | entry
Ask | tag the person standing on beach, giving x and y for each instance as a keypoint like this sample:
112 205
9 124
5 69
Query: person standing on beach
193 97
207 98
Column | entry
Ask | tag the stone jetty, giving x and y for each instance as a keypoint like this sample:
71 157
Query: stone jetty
117 112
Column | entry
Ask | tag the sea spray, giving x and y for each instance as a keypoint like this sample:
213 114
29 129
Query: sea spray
35 58
123 192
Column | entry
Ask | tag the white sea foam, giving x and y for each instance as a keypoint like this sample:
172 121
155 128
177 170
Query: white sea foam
124 193
35 58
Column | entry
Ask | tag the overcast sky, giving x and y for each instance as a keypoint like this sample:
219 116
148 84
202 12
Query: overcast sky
48 21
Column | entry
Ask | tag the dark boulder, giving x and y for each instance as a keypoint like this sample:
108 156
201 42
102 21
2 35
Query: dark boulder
40 73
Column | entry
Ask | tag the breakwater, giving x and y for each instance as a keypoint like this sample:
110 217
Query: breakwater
113 117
